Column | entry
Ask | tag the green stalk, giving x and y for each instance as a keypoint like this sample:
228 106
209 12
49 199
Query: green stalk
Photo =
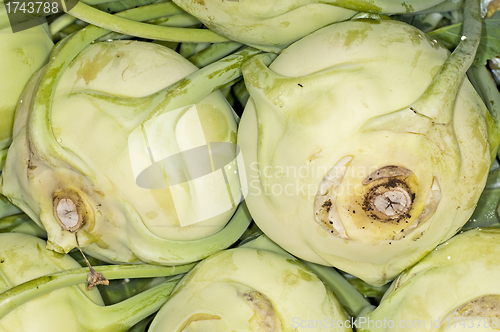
348 296
141 326
178 20
486 87
213 53
21 223
123 315
201 83
97 2
431 21
3 158
486 211
241 93
7 208
10 221
126 26
180 251
439 99
150 12
60 23
187 49
16 296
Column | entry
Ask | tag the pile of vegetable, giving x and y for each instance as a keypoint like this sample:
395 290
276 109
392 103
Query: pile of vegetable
218 166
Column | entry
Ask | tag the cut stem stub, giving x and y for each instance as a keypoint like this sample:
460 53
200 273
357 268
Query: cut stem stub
70 210
390 197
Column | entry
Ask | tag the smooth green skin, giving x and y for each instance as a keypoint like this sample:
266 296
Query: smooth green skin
273 25
350 299
41 290
111 89
464 268
351 98
210 298
23 53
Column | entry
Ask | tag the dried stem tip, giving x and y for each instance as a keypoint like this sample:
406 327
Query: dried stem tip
93 278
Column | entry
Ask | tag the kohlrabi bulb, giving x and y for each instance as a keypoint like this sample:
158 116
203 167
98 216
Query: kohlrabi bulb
454 288
116 146
364 146
245 289
273 25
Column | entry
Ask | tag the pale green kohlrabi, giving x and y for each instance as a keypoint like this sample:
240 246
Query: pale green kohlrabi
454 288
112 144
365 145
248 289
273 25
42 291
23 53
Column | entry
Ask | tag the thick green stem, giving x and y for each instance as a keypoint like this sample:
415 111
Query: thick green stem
179 20
126 26
383 6
446 6
15 296
213 53
348 296
21 223
7 208
60 23
3 158
241 93
129 312
485 214
201 83
438 100
141 326
187 49
179 252
97 2
485 85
